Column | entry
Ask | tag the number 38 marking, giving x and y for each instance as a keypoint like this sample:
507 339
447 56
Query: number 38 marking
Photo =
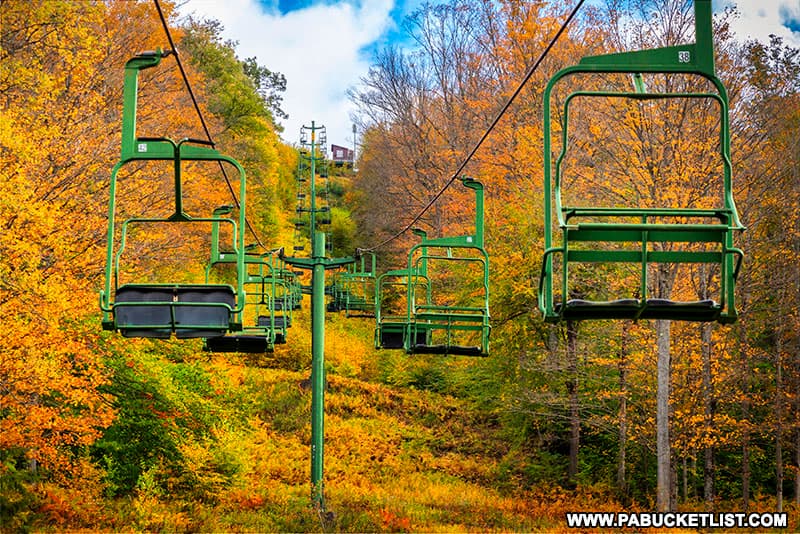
684 56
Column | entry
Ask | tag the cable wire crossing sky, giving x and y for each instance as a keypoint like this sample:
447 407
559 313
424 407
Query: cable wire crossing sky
324 47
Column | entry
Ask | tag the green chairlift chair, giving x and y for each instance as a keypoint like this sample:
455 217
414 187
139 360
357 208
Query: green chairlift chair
358 288
640 236
391 321
433 328
159 310
265 321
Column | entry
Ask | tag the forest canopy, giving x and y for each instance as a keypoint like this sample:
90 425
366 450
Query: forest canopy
102 432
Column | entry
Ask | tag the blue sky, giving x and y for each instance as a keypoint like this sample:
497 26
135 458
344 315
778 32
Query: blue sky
324 47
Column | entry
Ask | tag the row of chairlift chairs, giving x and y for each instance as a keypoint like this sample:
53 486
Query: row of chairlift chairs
412 306
250 314
253 313
411 311
576 236
272 293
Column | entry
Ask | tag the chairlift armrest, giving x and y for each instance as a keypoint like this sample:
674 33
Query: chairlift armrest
543 272
196 141
739 259
104 302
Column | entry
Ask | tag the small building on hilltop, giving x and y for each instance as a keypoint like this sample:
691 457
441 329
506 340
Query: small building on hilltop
342 155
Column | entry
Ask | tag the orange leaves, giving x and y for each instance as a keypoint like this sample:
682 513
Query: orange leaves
246 500
393 522
50 401
77 502
49 372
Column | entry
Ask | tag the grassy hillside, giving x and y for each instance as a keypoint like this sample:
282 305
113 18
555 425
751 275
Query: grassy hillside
99 432
222 443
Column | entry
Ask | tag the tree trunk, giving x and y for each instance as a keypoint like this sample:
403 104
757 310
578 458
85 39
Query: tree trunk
663 470
797 460
623 410
665 482
794 377
708 414
709 402
745 405
572 389
673 480
685 478
778 423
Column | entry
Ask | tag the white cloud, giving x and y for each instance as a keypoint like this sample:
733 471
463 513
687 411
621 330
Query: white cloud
760 18
316 48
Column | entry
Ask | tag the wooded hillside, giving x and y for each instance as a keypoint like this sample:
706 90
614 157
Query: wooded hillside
102 432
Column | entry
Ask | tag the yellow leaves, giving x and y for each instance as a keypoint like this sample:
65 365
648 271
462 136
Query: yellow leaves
271 456
50 374
365 447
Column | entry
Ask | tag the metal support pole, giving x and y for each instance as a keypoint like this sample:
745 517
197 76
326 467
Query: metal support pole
317 368
317 264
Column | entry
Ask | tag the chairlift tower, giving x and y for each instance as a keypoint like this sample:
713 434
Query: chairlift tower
317 263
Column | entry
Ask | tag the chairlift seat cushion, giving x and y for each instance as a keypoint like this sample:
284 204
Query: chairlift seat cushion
363 314
392 336
281 322
701 310
189 311
151 320
453 350
391 339
215 317
357 304
239 343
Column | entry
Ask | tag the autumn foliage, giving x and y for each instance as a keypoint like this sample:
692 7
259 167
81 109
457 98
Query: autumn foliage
99 432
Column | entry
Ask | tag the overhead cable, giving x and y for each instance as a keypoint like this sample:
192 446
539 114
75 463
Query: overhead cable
485 135
200 115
